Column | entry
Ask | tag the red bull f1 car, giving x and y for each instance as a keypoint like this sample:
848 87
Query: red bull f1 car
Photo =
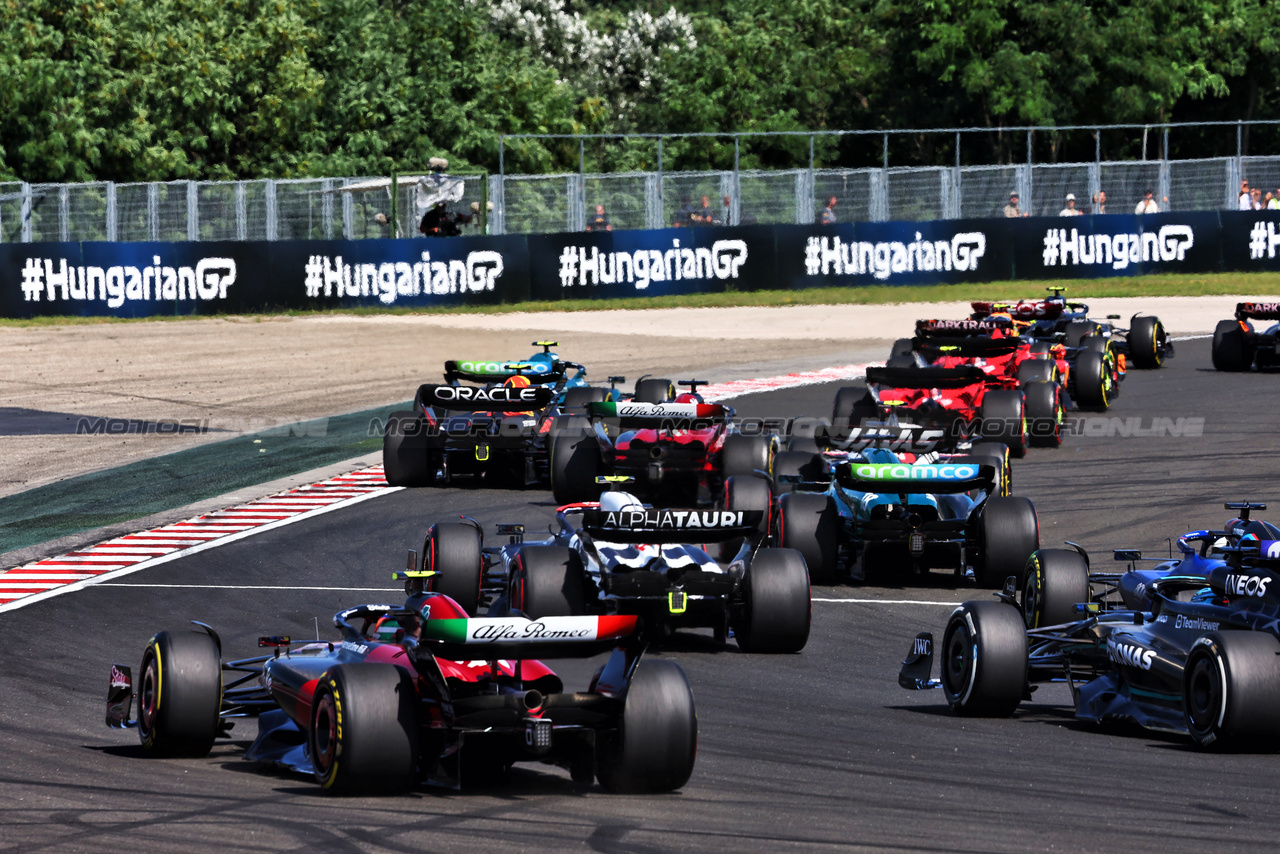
421 693
1238 346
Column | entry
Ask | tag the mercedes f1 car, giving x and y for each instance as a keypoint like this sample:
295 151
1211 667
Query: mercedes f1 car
489 419
618 556
1203 658
875 513
678 452
1238 346
421 693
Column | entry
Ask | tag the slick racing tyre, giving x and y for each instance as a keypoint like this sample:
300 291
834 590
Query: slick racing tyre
777 609
452 549
808 467
180 694
747 455
810 524
1232 346
575 460
1146 341
1231 690
656 742
1037 371
1007 533
1004 419
654 390
996 454
576 399
901 354
984 660
1077 330
1057 580
406 458
1045 414
1091 381
747 492
803 444
853 406
547 582
364 729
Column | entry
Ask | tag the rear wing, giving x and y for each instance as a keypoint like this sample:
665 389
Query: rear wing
915 479
669 526
1258 311
486 398
517 637
925 377
633 415
967 347
955 328
476 371
1041 309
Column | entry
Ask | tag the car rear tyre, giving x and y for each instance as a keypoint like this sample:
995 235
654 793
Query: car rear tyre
796 464
657 739
654 390
747 455
364 730
1036 371
810 524
777 609
180 694
453 551
1057 580
406 459
1008 532
548 582
1231 689
1044 414
984 660
1077 330
1231 347
576 399
853 406
997 454
1003 415
747 492
1090 380
574 460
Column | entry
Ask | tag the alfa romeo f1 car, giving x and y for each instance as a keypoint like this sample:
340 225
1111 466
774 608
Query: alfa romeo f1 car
421 693
874 513
1203 659
620 557
1238 346
678 452
489 419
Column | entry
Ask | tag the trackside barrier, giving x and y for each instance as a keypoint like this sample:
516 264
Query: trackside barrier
148 279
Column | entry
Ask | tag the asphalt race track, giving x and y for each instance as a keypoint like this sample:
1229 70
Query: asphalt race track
803 752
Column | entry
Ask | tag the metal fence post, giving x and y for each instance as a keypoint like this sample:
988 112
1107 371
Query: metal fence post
270 193
662 212
25 195
153 211
193 212
497 193
242 212
652 202
112 226
735 193
326 207
348 214
64 213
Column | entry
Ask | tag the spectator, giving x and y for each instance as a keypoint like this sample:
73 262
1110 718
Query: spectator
829 212
684 216
383 224
599 222
1147 205
1245 202
1070 209
1273 201
728 211
1099 202
1011 210
704 215
1256 198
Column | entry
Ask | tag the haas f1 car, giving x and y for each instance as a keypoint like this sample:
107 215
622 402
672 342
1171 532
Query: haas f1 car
1202 658
1238 346
677 452
620 557
422 693
489 419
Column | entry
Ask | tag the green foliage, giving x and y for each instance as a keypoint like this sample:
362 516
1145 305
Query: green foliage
136 90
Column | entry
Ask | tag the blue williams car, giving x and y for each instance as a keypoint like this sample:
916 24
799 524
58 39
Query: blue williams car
876 513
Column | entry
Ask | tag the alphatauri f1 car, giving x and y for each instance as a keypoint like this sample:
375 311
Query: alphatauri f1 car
422 693
618 556
1202 659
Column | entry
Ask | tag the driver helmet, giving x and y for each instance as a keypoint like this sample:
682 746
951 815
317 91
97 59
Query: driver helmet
612 502
518 381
